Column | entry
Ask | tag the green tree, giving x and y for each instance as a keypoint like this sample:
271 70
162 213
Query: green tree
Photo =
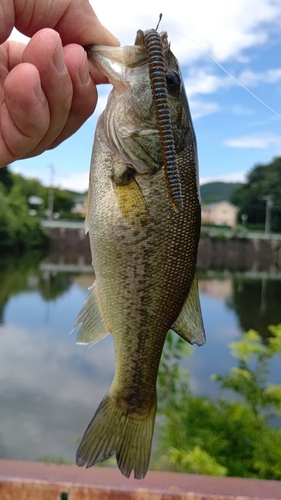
223 437
263 180
63 199
18 230
29 187
6 178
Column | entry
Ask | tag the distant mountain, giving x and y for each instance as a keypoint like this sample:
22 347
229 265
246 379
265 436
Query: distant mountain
78 194
213 192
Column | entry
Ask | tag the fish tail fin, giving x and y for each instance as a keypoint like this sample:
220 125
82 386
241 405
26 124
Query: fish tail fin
112 430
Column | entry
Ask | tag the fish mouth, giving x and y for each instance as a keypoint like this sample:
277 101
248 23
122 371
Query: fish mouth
113 61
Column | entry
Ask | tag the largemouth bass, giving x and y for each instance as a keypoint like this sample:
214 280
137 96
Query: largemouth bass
144 225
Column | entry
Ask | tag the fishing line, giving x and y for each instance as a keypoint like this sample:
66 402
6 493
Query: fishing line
229 74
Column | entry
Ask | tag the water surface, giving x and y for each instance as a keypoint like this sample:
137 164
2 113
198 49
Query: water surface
50 387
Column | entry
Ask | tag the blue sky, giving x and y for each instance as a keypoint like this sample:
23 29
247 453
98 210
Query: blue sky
234 131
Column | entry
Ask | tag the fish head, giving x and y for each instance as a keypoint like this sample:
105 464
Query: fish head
130 121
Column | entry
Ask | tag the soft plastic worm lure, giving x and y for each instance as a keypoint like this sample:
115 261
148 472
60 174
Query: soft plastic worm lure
152 43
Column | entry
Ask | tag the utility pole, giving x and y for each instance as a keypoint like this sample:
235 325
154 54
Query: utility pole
244 218
51 193
268 207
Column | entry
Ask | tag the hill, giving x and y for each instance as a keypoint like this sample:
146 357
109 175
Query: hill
213 192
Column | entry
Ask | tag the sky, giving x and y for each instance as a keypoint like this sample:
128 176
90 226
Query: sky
234 130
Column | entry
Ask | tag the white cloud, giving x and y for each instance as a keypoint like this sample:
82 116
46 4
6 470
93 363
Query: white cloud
203 82
41 174
223 28
238 176
47 398
200 108
241 110
227 30
20 344
256 141
74 182
78 181
252 79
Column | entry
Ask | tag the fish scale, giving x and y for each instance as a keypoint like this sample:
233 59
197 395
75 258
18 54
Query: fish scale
143 251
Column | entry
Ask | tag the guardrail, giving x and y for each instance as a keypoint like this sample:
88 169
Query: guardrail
38 481
239 232
62 224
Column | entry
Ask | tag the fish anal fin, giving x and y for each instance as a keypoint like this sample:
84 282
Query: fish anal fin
111 430
93 327
189 324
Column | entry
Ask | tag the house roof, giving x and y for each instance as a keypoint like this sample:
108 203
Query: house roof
211 205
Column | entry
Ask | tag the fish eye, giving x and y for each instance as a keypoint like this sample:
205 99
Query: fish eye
173 81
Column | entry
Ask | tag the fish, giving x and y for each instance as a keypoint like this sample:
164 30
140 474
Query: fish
144 226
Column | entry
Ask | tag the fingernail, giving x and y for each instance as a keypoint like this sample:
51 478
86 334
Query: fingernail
58 59
83 72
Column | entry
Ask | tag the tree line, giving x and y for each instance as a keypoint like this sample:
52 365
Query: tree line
263 187
19 230
235 435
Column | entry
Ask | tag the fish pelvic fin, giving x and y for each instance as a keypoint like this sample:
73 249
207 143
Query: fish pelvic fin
112 430
189 324
93 328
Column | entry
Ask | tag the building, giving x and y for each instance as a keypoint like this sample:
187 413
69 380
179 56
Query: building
222 213
80 206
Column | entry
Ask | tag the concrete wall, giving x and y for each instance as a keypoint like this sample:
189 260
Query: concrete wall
71 246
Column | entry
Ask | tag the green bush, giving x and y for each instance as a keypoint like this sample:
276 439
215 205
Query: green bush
223 437
18 230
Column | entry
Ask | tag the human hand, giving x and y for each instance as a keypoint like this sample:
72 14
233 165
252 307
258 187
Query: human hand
47 87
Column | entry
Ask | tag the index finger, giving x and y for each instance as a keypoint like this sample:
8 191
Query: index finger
74 20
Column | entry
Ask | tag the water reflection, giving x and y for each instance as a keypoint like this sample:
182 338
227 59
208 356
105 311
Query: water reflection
50 387
257 303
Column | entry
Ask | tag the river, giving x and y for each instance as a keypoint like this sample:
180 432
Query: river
50 387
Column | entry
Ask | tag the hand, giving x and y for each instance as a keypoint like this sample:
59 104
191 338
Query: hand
48 87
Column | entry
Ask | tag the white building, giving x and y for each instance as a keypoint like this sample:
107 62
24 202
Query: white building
222 213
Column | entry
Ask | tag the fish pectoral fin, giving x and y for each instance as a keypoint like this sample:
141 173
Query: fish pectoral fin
189 324
130 198
93 328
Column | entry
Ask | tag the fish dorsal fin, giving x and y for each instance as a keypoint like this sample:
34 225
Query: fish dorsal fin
189 324
93 328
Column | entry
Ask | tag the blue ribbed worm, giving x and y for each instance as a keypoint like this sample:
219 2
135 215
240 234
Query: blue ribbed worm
152 43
